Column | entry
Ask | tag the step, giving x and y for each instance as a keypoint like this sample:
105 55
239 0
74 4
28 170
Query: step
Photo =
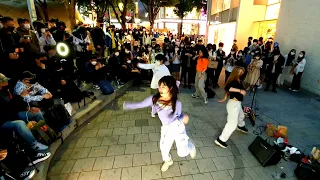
81 116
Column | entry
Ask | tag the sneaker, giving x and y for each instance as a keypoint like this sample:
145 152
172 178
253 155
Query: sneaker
166 165
221 143
194 96
38 146
153 115
39 158
29 174
193 151
242 129
206 100
290 89
295 90
96 87
260 87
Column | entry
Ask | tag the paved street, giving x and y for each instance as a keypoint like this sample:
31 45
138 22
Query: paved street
125 145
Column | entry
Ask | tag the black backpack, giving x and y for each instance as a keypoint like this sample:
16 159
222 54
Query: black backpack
43 133
57 117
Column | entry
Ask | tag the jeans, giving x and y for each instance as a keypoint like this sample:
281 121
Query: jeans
200 84
19 127
23 115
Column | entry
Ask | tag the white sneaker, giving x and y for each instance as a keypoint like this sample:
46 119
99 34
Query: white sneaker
260 87
290 89
295 90
206 100
39 158
166 165
38 146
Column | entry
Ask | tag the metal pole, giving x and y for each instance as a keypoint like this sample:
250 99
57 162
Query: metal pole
32 11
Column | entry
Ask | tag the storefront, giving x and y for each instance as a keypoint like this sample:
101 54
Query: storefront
222 33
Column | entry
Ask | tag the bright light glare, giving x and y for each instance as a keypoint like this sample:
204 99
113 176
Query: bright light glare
62 49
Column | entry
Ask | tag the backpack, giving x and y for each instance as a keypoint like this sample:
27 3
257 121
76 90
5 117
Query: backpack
57 117
106 87
43 133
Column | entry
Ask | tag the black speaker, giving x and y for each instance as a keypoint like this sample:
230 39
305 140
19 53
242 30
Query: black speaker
266 154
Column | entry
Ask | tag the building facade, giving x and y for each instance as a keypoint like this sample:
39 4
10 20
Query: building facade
193 23
293 24
239 19
298 27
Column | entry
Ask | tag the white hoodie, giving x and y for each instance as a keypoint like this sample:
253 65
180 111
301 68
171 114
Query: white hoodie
158 73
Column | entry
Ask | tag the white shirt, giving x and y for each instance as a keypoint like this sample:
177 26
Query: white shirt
300 66
158 73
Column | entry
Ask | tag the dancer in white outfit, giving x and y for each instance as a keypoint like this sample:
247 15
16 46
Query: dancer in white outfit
169 110
235 120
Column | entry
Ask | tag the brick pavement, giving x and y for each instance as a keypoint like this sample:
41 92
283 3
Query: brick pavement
125 145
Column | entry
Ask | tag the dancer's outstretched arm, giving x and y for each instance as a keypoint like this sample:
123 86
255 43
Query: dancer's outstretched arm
138 105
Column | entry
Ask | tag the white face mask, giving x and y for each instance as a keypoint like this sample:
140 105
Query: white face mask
125 33
177 49
254 44
220 48
1 25
117 34
252 54
292 53
300 55
116 53
127 51
182 45
129 61
147 32
149 49
26 26
257 57
94 63
137 32
130 32
43 30
240 55
158 63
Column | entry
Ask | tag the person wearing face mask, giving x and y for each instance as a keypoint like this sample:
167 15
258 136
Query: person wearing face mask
36 92
253 75
186 58
45 38
159 70
231 59
289 58
274 68
147 38
254 47
98 37
240 59
235 46
297 70
10 50
175 63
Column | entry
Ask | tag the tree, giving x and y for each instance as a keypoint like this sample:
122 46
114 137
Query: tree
71 9
121 8
99 6
185 6
153 7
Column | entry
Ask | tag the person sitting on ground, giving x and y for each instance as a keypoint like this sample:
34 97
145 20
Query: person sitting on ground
8 116
36 93
95 71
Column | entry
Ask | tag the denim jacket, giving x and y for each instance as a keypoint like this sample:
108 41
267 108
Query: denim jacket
34 95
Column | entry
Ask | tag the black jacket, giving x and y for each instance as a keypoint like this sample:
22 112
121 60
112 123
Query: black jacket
10 105
98 37
278 65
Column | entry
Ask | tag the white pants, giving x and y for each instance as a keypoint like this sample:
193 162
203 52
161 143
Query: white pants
175 131
199 85
234 119
284 75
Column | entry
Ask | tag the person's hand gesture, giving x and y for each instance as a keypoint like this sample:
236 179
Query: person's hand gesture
185 119
34 110
24 93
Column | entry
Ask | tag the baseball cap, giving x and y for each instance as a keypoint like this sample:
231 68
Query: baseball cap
3 78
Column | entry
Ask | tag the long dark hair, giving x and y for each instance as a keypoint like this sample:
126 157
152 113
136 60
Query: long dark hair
174 91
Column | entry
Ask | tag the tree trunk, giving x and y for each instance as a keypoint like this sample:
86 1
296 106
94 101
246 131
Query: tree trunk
180 29
123 21
71 8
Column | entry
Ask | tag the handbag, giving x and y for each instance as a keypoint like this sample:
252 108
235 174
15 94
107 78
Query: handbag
213 64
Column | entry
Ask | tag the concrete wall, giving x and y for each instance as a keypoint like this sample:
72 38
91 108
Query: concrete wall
248 13
298 27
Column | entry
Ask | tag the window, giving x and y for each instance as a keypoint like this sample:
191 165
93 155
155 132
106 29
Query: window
272 12
273 2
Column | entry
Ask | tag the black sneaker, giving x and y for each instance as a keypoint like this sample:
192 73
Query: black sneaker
221 143
39 158
29 174
242 129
